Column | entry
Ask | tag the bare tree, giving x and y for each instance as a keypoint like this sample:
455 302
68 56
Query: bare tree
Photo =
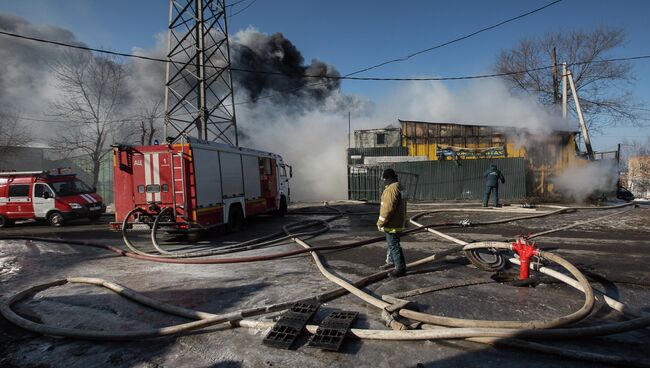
149 120
600 84
12 134
93 93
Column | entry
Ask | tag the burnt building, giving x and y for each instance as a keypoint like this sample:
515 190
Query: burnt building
447 160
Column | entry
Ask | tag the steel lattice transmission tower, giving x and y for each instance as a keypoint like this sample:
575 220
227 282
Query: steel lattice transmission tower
199 98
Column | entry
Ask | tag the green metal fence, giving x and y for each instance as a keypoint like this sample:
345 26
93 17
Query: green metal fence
430 180
83 167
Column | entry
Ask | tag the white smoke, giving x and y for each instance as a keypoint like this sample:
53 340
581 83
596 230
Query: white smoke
308 125
581 181
312 140
481 102
26 80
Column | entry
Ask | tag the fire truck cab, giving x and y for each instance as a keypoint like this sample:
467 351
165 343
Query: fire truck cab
42 195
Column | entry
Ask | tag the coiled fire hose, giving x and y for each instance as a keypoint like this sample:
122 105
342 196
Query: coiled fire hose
209 319
287 232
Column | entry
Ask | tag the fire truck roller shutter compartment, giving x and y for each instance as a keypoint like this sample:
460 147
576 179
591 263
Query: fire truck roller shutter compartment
252 185
208 179
231 174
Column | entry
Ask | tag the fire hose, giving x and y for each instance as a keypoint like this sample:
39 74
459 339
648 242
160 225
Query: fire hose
167 257
520 330
207 319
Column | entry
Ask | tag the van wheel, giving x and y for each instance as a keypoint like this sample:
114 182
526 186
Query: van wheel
55 219
5 222
235 219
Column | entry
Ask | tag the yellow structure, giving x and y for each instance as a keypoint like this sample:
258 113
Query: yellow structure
547 154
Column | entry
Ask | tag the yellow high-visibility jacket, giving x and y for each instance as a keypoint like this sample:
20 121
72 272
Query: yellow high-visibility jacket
392 214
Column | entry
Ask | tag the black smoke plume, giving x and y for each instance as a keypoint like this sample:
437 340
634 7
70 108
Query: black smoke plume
277 69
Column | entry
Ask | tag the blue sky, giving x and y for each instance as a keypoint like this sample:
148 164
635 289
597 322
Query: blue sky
355 34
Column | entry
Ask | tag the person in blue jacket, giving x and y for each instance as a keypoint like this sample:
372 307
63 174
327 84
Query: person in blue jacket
492 177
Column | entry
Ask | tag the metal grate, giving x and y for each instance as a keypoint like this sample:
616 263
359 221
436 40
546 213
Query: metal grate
332 330
288 328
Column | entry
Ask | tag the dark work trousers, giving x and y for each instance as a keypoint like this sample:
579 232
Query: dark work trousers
486 195
395 251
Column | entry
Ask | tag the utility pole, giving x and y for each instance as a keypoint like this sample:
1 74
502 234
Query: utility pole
199 98
581 118
349 131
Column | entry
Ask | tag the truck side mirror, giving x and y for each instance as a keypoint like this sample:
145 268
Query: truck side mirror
46 195
290 172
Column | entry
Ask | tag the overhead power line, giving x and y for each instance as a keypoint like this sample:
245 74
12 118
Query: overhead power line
41 40
479 76
344 77
237 2
243 9
251 3
328 77
454 40
149 58
467 77
409 56
125 120
347 76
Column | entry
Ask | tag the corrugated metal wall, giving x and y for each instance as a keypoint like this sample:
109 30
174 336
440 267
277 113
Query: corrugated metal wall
430 180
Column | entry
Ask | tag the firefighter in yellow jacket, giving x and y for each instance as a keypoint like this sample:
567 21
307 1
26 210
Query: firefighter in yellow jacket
392 216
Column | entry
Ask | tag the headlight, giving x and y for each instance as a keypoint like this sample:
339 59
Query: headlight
75 206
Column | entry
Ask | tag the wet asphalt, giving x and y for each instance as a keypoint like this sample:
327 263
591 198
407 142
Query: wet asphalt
613 254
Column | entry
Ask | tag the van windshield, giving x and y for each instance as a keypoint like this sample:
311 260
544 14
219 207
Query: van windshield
70 187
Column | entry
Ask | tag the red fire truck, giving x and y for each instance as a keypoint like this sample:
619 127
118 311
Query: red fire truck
200 184
43 195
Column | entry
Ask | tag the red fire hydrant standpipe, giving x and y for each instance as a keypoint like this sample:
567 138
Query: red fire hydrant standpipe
526 250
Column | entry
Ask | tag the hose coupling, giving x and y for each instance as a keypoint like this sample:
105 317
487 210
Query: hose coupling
391 321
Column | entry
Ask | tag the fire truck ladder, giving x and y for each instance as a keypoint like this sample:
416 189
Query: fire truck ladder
178 176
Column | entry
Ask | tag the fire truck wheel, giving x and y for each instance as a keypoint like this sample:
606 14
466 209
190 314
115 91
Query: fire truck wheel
235 219
55 218
5 222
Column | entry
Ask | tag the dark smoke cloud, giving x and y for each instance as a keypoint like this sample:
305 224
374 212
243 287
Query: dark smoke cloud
26 73
27 83
27 69
252 50
24 66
